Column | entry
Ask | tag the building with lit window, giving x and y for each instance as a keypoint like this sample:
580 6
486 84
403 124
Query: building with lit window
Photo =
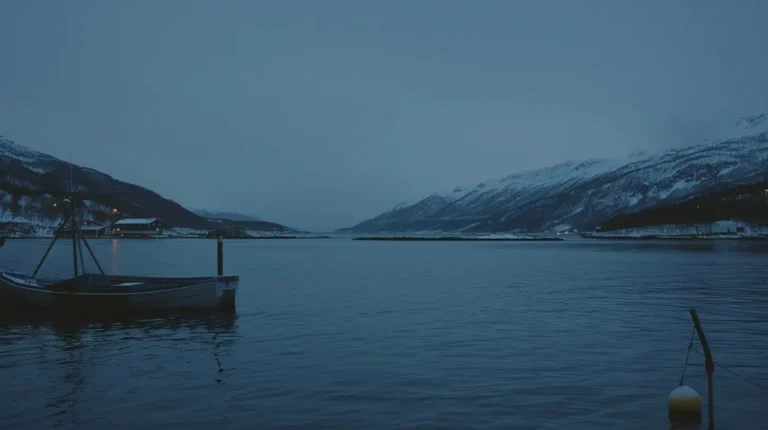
139 227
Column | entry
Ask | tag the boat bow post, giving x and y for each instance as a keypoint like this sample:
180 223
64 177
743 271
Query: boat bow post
709 365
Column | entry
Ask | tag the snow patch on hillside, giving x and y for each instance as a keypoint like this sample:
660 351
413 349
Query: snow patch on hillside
574 171
185 232
259 233
561 228
30 210
661 230
12 150
567 172
507 236
747 126
40 170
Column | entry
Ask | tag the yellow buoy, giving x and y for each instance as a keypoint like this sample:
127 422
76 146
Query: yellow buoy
684 405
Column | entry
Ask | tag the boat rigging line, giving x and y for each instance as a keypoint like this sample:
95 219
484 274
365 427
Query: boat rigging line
743 378
688 354
684 403
722 366
77 238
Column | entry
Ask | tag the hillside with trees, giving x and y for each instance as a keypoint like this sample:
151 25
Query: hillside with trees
744 202
33 183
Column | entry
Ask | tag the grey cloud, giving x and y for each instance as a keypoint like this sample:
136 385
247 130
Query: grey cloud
321 114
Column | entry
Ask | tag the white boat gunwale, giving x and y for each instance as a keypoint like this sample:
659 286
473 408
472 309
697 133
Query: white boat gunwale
42 288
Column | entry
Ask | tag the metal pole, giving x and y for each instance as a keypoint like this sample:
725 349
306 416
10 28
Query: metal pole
80 251
220 254
709 365
90 251
74 235
53 242
88 247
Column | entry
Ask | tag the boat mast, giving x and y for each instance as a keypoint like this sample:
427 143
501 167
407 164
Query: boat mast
76 234
74 214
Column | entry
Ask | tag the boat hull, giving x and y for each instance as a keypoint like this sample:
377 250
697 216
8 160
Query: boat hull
122 293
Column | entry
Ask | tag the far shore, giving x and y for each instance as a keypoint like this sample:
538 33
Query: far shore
490 237
291 237
683 236
459 239
169 237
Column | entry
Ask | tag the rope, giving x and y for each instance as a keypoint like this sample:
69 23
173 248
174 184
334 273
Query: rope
762 387
688 354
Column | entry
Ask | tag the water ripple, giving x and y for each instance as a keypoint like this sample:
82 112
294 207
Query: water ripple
337 334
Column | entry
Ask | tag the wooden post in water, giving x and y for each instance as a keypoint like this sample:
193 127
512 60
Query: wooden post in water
709 365
220 254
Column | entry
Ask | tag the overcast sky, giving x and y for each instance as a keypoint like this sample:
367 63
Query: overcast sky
320 114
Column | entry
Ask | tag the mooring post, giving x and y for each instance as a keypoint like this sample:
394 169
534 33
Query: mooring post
220 252
709 365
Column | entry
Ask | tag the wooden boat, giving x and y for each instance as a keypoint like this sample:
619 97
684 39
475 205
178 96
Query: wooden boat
89 292
85 292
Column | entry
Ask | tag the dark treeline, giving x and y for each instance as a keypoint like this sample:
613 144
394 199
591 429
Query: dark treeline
745 202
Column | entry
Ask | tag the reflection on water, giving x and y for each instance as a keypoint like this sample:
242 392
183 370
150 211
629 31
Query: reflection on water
72 381
65 327
577 335
668 245
114 267
72 352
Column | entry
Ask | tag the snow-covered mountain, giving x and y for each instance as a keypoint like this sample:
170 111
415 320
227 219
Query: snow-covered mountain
583 194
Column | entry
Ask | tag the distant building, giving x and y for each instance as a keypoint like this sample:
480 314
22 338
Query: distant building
728 227
87 228
139 227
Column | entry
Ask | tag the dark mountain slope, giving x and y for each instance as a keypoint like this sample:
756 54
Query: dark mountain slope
31 182
744 203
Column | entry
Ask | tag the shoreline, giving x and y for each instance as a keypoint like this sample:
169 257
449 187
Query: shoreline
588 236
372 238
168 237
459 239
678 237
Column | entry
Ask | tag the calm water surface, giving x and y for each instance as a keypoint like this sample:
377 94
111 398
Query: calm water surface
343 334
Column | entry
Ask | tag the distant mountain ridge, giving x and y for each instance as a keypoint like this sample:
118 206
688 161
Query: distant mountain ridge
234 216
582 194
249 222
31 182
